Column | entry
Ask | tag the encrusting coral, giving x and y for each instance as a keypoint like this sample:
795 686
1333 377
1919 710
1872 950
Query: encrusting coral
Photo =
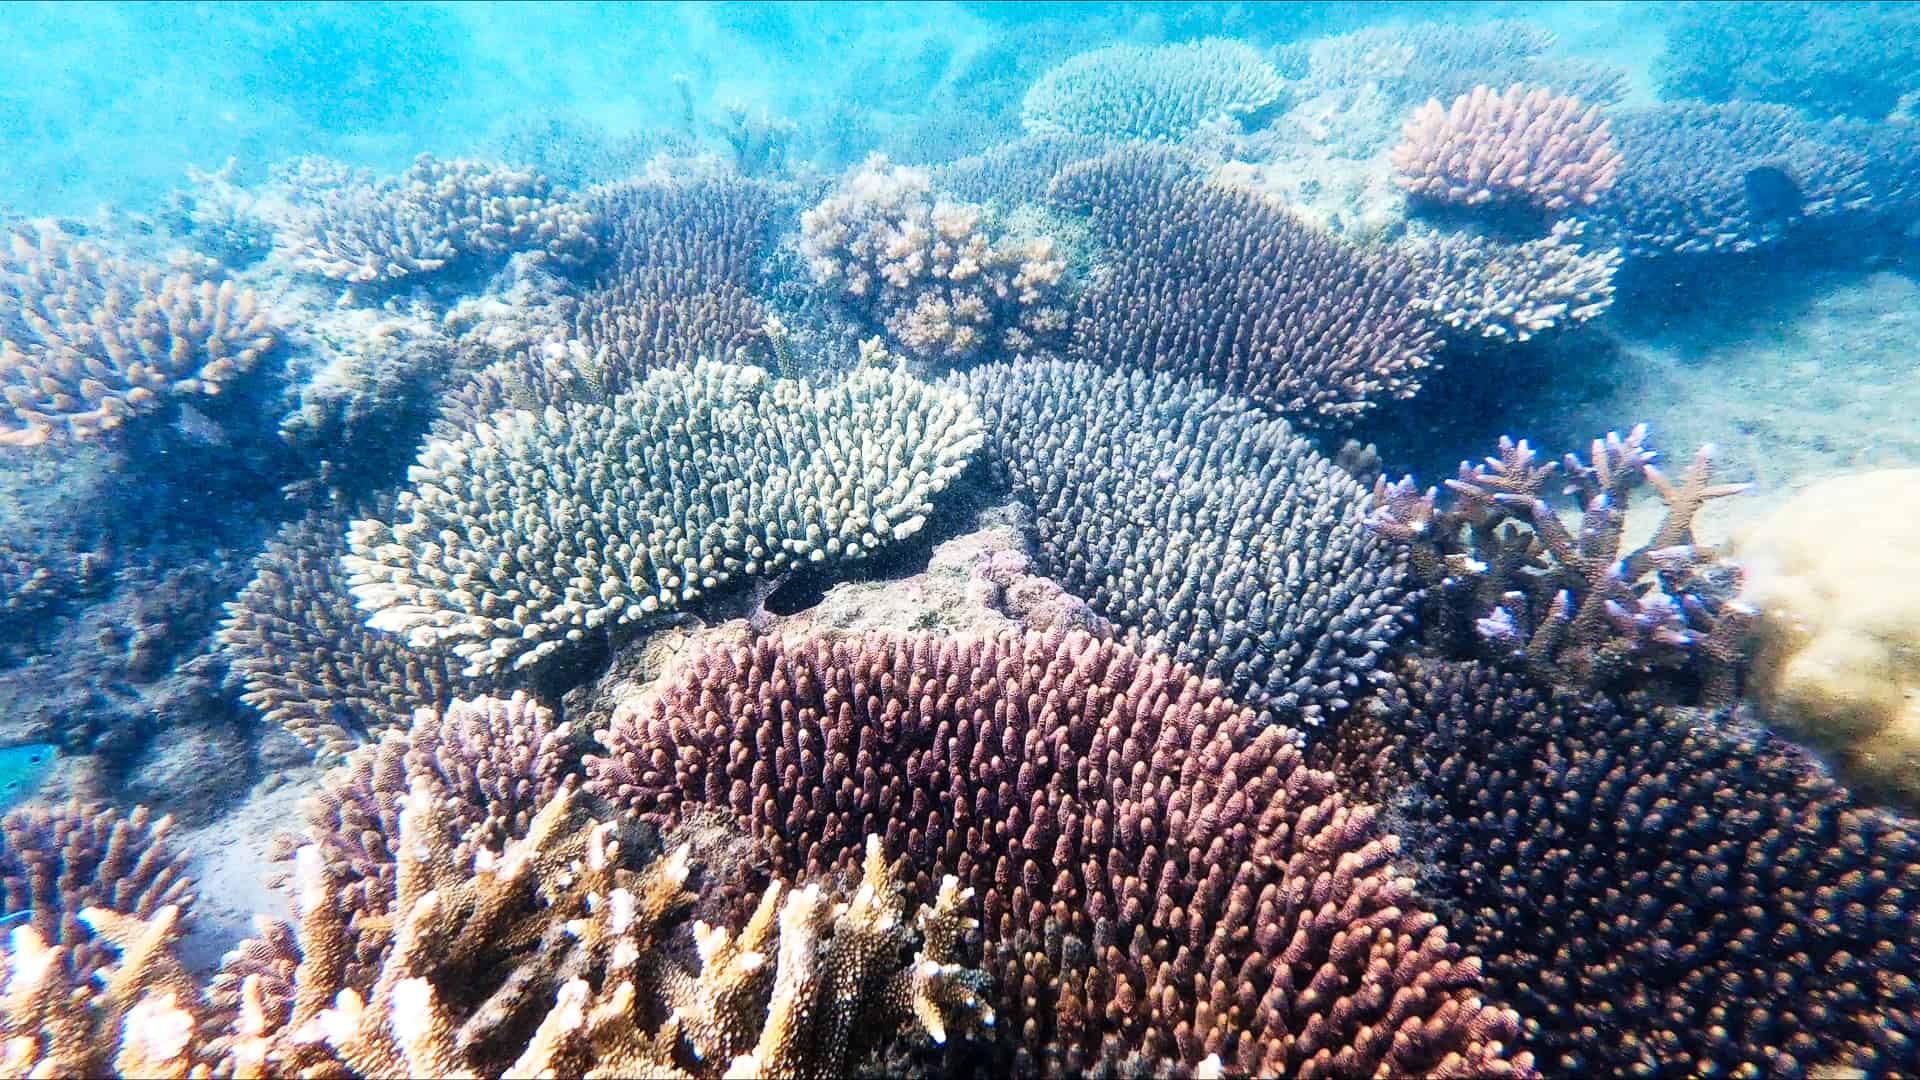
566 954
58 861
308 663
88 339
535 528
1208 280
1835 573
1150 92
1491 290
929 271
1200 526
435 215
1521 147
1163 882
1507 580
1658 891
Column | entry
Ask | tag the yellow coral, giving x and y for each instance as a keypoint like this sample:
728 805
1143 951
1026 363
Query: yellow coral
1836 574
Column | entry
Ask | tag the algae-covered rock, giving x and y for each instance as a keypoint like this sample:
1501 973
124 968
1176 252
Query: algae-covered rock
1836 572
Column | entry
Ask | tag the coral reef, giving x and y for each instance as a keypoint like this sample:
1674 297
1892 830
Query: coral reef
137 1021
1707 179
58 861
1833 571
1414 62
553 958
1655 891
435 215
88 339
929 271
1491 290
1204 279
1017 171
1150 92
1518 147
1199 526
1508 580
1827 59
296 643
1161 878
534 529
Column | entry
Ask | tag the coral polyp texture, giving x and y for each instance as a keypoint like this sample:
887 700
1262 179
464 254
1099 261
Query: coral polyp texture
1162 881
89 339
1835 573
568 953
929 271
1517 147
436 215
1160 92
535 529
1657 891
1508 580
295 641
1492 290
1207 280
58 861
1197 525
1716 179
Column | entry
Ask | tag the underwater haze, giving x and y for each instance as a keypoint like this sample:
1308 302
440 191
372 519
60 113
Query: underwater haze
1010 539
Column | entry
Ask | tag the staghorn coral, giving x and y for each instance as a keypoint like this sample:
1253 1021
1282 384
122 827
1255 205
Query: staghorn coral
1833 571
1508 580
1492 290
1656 891
930 271
435 215
88 340
534 529
293 639
1161 877
1519 147
138 1021
1714 179
1198 526
559 957
58 861
1209 280
1158 92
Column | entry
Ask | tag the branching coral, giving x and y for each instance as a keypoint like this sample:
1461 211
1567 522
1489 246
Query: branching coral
1520 147
557 956
1017 171
1431 59
58 861
88 340
435 215
1508 580
294 640
1497 291
1198 525
1656 891
1162 878
534 529
1727 178
1150 92
929 271
1829 59
1209 280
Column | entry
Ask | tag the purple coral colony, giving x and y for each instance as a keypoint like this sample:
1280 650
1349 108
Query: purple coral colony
770 596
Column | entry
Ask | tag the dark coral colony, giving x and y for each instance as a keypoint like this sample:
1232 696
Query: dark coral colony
702 614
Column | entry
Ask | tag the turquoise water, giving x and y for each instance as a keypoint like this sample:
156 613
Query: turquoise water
1166 539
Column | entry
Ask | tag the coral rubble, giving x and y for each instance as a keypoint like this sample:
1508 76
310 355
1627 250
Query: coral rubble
535 528
89 339
1208 280
1161 878
1197 524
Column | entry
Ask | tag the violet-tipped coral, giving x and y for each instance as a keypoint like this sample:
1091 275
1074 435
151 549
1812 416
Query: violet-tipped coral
1161 878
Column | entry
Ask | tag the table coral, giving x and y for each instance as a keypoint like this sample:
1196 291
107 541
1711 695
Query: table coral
1161 878
1833 571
